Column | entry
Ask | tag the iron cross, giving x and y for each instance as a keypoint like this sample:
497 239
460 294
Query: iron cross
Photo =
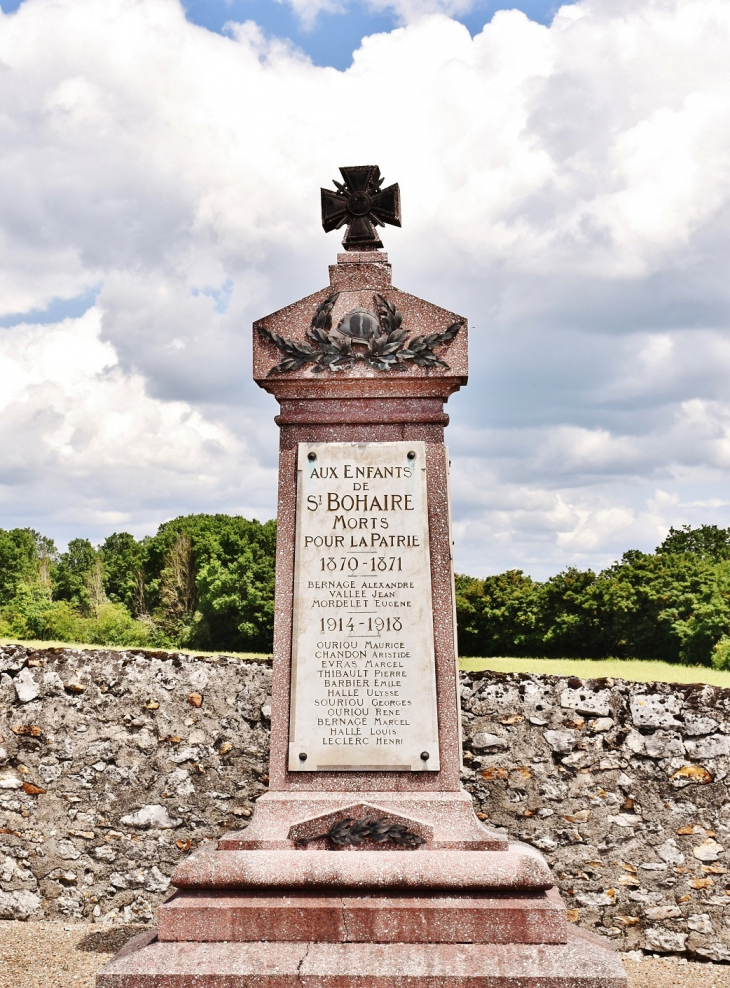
360 203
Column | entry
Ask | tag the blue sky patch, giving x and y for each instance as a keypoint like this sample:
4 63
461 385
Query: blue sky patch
57 310
221 296
335 36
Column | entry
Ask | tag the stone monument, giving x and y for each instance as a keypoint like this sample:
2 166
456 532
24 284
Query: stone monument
364 864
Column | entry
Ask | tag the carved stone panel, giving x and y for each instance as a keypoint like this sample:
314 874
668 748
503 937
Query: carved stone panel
363 675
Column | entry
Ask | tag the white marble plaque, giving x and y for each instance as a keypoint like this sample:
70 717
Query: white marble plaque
363 694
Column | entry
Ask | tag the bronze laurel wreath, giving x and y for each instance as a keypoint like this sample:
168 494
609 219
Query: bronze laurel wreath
352 832
388 351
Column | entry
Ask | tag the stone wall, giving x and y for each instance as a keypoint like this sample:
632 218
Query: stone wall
113 765
622 786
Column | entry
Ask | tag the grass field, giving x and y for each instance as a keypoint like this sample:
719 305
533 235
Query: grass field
633 669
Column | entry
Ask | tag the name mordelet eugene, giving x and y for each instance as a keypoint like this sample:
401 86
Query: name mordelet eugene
363 674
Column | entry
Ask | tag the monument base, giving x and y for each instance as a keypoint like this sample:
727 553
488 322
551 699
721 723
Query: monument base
584 961
364 917
209 916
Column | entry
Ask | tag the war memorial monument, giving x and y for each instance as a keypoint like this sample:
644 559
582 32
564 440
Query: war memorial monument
364 865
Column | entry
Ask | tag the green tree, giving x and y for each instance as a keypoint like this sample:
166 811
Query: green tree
707 541
209 581
75 575
237 601
497 615
200 581
569 614
670 606
178 592
123 562
25 559
678 606
721 654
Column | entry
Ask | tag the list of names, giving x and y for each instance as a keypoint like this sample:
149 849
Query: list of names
363 672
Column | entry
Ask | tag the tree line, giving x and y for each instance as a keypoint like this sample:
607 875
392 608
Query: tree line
207 582
202 581
672 604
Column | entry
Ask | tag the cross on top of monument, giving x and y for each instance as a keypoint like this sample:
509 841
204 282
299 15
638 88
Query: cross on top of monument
360 203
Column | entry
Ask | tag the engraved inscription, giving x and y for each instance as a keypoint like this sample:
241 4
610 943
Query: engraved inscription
363 691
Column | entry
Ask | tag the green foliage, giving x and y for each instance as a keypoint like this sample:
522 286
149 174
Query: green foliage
73 572
207 581
32 614
25 558
203 581
672 606
25 610
112 625
568 618
123 559
497 616
721 654
707 541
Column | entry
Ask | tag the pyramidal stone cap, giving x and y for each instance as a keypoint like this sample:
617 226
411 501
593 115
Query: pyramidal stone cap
361 335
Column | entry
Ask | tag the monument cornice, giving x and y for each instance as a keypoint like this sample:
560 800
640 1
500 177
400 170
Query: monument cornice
378 409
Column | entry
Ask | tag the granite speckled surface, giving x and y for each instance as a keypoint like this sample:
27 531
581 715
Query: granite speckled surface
445 820
357 278
584 961
351 868
479 918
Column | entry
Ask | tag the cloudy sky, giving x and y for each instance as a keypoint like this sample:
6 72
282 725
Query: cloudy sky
565 175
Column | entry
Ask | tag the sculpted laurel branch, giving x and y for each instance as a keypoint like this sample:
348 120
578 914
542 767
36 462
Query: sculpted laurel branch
296 352
324 354
322 318
389 317
337 352
420 348
352 832
387 351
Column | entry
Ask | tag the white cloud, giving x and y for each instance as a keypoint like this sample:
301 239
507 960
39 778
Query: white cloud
84 445
565 187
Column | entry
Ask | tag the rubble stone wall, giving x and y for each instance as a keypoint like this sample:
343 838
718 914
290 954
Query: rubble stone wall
114 764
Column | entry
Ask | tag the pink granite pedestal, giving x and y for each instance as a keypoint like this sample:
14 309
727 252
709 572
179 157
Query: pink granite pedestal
584 961
467 908
241 916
